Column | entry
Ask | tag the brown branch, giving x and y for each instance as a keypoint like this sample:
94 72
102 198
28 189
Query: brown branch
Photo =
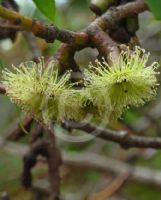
121 137
103 42
78 40
65 58
30 160
19 132
49 33
111 16
97 37
36 132
134 7
47 148
107 21
54 162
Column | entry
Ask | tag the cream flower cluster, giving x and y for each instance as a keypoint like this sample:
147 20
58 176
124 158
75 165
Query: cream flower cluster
129 81
108 90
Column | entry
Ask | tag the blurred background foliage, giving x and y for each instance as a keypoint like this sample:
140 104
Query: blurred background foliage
77 182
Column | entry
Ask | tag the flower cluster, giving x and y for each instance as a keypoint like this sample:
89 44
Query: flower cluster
127 82
108 91
39 91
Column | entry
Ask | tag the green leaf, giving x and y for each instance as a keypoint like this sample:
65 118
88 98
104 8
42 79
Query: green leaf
155 7
47 7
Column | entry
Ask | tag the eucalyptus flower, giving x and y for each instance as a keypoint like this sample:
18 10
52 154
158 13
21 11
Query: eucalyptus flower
36 88
129 81
109 90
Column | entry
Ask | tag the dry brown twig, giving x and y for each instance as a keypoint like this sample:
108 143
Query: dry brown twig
123 138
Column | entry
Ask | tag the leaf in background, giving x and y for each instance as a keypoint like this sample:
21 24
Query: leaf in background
47 7
155 7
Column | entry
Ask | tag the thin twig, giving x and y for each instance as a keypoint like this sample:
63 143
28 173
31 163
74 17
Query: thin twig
49 33
123 138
